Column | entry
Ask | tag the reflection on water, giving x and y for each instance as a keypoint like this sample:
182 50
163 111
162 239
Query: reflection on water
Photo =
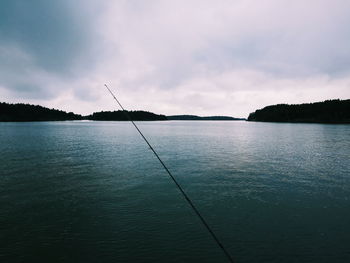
94 192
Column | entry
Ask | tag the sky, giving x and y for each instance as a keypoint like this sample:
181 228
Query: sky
222 57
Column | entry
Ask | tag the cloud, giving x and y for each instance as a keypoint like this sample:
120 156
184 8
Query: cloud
51 32
44 47
174 57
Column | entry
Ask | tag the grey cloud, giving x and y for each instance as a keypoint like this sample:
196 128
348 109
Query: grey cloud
52 32
44 44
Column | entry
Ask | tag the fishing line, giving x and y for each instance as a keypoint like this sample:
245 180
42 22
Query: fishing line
174 180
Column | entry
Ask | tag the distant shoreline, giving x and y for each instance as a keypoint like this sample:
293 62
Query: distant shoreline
29 113
205 118
327 112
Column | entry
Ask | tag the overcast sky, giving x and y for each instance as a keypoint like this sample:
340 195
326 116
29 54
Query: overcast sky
222 57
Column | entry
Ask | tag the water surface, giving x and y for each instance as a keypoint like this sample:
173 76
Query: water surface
94 192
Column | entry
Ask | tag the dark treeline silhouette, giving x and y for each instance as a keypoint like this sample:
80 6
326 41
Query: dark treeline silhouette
198 118
120 116
27 112
329 111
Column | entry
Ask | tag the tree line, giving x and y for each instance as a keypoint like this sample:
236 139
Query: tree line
120 116
329 111
28 112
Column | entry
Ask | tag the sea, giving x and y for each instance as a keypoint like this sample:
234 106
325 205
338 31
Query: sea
85 191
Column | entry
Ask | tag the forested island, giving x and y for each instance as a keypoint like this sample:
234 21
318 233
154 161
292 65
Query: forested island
120 116
329 111
199 118
27 112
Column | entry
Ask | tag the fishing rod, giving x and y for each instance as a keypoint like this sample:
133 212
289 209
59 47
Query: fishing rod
127 115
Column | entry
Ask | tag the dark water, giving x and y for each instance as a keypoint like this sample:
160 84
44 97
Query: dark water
93 192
